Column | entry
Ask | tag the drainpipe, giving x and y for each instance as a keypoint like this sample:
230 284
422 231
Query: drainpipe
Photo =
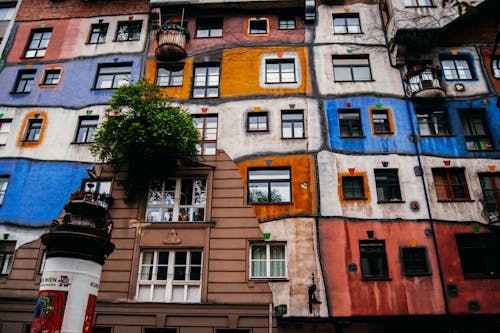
417 150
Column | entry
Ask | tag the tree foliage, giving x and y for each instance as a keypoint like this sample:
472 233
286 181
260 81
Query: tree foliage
144 133
461 5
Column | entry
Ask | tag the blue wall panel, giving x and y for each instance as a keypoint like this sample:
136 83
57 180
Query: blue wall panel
38 190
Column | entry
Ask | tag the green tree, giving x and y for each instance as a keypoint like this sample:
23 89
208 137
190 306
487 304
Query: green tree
461 5
144 134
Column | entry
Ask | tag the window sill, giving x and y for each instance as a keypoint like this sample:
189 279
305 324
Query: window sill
257 131
458 200
351 81
87 43
432 6
348 33
390 201
270 203
354 199
353 137
385 278
278 83
128 40
100 89
161 225
19 93
411 275
270 279
437 136
29 141
301 138
475 277
196 37
81 143
383 134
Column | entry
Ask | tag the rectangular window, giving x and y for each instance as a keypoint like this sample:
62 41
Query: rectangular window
5 125
170 276
475 126
418 3
292 124
111 76
206 81
207 126
209 27
98 33
87 126
170 75
380 120
387 183
7 249
346 69
280 71
101 186
495 67
4 182
267 261
24 81
457 68
353 187
177 200
7 13
258 27
257 121
286 23
346 24
39 41
479 254
490 185
51 77
373 259
350 123
433 122
450 184
269 186
128 31
33 130
415 261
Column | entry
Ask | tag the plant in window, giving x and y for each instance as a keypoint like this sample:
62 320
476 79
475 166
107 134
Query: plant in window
146 133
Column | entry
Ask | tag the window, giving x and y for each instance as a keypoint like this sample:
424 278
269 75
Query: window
206 81
267 261
170 75
351 69
346 24
286 23
7 249
257 121
258 26
4 182
7 14
177 200
457 68
353 187
495 67
350 123
387 183
433 122
280 71
101 186
98 33
33 130
38 43
418 3
24 81
415 261
209 27
477 135
5 125
269 186
450 184
51 76
380 120
169 276
373 259
87 126
292 124
111 76
479 254
490 185
128 30
207 126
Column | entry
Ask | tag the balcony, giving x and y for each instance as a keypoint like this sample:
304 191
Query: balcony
171 42
424 82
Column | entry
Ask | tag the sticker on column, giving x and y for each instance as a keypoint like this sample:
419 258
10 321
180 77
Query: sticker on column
49 311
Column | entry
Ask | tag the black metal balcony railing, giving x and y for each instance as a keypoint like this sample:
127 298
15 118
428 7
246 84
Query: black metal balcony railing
424 81
172 40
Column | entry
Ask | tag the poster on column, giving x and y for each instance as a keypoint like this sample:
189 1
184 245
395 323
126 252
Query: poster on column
89 314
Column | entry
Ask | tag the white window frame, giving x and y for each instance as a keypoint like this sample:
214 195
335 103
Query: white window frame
207 126
457 68
351 63
5 126
267 274
255 19
87 126
191 289
419 3
4 183
348 28
265 58
495 67
112 76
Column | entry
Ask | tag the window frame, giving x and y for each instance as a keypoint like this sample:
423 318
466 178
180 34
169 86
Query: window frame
33 130
252 32
50 72
297 126
170 75
4 185
345 17
172 269
439 126
86 128
347 124
387 123
273 177
130 36
98 33
454 69
207 88
490 193
212 25
449 185
495 66
4 134
281 72
389 186
416 3
413 266
351 63
7 252
26 83
286 22
372 260
208 136
42 43
260 114
268 260
476 261
116 81
470 120
352 189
